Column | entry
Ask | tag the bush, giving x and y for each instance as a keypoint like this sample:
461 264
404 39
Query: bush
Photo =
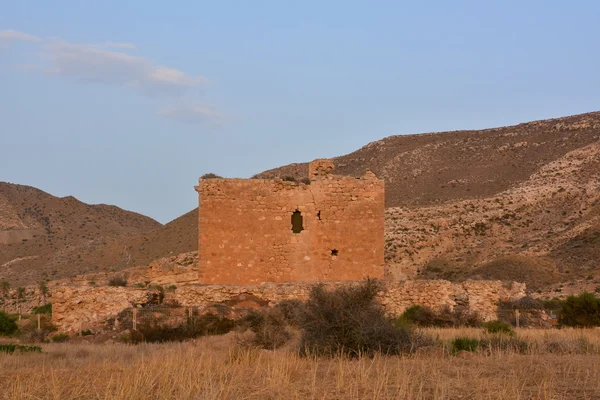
117 280
505 343
45 309
60 338
11 348
524 303
291 311
8 324
498 327
270 328
29 331
210 175
423 316
580 311
349 321
463 344
194 327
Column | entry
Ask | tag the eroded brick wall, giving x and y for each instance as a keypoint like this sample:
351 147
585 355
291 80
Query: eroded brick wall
246 237
82 307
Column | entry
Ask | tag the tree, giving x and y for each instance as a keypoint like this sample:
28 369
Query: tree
580 311
44 291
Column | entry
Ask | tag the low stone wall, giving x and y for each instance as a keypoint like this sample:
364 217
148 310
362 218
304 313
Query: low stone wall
31 297
82 307
76 308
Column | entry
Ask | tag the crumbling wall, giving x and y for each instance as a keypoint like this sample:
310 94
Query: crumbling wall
15 303
82 307
76 308
246 234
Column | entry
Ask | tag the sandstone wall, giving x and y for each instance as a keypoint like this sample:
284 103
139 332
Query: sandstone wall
82 307
76 308
246 237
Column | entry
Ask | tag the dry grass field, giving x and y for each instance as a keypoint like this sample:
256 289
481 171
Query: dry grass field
561 364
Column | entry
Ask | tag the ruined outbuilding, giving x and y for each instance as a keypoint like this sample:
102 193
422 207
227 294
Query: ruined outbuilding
327 228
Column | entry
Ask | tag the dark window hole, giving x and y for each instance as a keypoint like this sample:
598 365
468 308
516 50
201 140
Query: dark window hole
297 222
334 252
319 215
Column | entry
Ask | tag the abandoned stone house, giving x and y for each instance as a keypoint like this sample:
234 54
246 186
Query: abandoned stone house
330 228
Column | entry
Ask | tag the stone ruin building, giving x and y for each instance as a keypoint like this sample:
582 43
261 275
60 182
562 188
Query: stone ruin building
271 240
330 228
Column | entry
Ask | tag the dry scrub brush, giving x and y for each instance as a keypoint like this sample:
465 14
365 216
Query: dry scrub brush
211 368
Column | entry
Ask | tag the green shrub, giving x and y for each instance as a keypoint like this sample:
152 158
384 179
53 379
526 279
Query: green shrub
498 327
423 316
45 309
8 324
11 348
349 321
463 344
60 337
580 311
117 280
8 348
505 343
194 327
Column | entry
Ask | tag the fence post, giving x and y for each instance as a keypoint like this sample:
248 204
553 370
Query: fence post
517 314
39 322
135 319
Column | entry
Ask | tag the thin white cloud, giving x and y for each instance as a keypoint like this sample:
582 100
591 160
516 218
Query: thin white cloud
120 45
89 63
7 36
102 64
192 114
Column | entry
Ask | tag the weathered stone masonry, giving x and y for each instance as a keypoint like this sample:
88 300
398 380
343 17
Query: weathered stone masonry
274 239
82 307
253 231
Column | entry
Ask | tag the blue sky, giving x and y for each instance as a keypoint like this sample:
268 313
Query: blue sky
128 103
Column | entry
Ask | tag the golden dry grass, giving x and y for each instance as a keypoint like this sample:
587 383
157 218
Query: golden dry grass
212 368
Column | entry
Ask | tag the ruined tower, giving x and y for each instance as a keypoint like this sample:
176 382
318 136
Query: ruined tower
253 231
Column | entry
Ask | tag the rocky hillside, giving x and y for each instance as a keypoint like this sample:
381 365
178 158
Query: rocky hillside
518 202
544 230
45 236
433 168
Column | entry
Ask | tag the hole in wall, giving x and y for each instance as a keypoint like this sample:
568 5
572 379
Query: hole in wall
297 226
334 252
319 215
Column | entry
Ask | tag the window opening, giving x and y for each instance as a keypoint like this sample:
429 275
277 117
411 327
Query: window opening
334 252
297 222
319 215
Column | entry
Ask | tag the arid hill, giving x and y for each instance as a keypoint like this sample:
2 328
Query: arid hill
518 202
42 235
433 168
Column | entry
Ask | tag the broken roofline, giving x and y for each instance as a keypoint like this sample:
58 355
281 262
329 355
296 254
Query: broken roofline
318 169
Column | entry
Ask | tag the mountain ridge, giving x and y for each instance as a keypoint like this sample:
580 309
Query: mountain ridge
457 205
